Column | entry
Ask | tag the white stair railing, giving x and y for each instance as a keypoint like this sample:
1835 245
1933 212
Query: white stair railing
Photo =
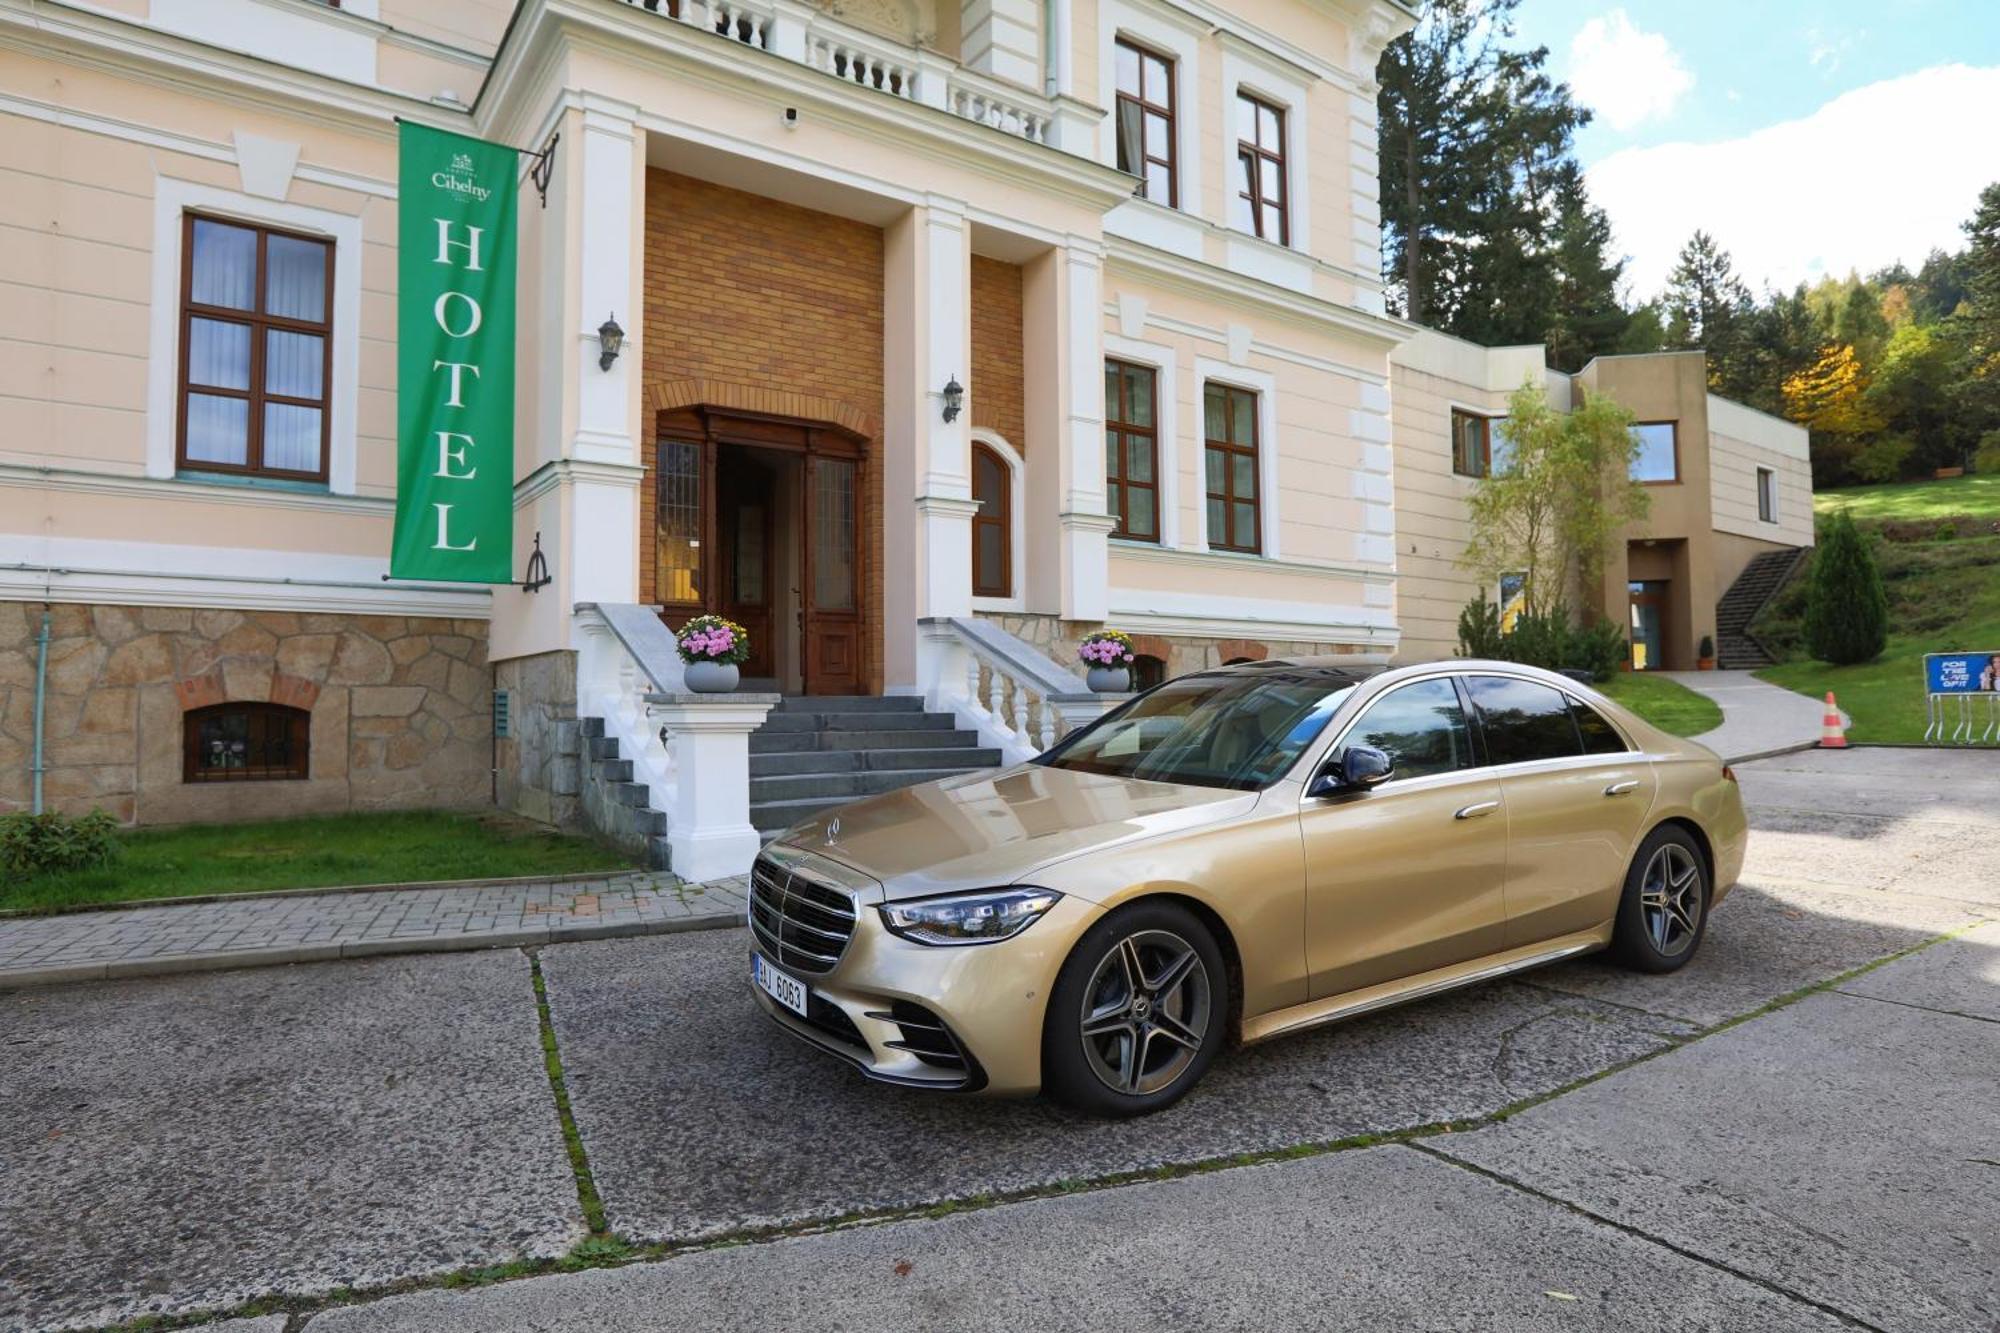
624 654
1004 688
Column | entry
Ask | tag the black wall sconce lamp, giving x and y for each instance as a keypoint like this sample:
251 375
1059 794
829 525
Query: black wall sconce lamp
610 341
954 399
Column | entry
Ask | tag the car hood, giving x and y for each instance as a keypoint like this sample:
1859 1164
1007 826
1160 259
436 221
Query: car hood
985 829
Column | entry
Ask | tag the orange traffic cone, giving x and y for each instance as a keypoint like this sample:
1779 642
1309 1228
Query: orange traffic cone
1832 735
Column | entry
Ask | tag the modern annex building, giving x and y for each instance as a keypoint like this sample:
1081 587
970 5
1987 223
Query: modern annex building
1138 240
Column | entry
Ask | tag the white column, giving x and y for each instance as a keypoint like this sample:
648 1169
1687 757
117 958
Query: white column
1083 526
708 805
927 461
1003 38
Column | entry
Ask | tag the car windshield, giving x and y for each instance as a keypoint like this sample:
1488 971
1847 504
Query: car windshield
1240 729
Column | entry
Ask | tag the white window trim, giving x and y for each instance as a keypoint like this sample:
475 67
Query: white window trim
1148 28
1268 82
1772 473
1017 525
1166 426
1265 386
172 199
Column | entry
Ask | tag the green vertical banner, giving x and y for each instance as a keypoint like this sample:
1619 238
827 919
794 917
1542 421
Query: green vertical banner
455 359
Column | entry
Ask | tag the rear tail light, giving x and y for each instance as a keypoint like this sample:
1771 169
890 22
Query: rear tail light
1728 773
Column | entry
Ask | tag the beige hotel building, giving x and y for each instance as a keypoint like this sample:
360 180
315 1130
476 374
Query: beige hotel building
1140 238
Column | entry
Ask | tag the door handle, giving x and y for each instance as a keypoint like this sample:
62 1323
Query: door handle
1475 811
1624 788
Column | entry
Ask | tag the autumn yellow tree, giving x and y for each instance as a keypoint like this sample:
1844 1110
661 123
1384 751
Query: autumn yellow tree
1831 394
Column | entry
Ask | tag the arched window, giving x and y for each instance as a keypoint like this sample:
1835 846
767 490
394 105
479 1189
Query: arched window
1148 671
993 525
246 742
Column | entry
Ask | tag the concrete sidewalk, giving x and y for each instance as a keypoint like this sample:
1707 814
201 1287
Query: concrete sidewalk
300 928
1757 718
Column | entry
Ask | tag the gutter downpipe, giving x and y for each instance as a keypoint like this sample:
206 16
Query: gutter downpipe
41 702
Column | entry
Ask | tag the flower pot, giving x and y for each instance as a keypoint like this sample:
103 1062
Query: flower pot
1109 680
1704 664
712 677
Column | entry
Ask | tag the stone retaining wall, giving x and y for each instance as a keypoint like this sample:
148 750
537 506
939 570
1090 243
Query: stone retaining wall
401 709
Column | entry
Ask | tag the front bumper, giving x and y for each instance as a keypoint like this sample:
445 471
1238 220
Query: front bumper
966 1018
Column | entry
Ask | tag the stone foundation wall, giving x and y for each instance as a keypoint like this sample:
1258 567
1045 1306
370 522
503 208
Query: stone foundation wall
540 761
401 709
1182 653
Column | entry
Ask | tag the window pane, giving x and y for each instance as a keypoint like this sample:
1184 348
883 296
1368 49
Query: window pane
1158 85
1246 526
1244 414
1131 154
291 438
1156 137
1246 119
225 265
1243 476
1114 502
1239 208
218 430
1215 413
1111 468
295 288
218 354
1139 459
1138 396
1420 727
989 483
1217 521
1269 135
1524 721
1111 391
1144 522
991 570
1128 70
1599 736
1499 450
1272 188
677 553
294 364
1217 462
1159 183
1655 460
833 534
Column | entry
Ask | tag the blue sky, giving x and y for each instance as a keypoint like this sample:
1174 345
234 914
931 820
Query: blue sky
1811 137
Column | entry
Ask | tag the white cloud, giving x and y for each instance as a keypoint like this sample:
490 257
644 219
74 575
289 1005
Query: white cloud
1882 173
1626 76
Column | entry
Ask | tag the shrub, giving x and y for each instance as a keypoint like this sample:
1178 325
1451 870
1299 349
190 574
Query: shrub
1986 462
47 843
1707 650
1547 639
1847 611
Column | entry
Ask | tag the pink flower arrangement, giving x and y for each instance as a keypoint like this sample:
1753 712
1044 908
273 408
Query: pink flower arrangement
1106 648
712 639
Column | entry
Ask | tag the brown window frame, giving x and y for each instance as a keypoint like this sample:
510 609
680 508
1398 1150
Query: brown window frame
1256 152
1460 463
1002 519
296 721
261 326
1115 420
1675 428
1166 111
1230 449
1767 495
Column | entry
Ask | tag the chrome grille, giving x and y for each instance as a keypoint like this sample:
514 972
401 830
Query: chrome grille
801 922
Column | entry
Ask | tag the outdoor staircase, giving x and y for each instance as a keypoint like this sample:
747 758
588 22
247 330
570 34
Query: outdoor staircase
817 752
1761 580
620 808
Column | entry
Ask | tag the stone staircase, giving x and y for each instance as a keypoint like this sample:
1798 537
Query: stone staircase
1761 580
815 753
618 807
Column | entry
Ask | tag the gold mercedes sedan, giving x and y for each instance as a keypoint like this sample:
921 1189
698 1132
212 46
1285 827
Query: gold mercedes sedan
1231 856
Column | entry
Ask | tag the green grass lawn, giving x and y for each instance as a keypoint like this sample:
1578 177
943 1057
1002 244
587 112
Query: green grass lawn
1979 496
1667 704
317 853
1944 596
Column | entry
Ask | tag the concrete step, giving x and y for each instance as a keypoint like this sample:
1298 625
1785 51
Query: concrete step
600 747
850 703
867 719
766 741
613 770
844 786
852 761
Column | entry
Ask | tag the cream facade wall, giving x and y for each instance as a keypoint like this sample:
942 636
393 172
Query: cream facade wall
1743 440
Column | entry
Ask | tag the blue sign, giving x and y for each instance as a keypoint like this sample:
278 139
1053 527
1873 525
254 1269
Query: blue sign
1962 673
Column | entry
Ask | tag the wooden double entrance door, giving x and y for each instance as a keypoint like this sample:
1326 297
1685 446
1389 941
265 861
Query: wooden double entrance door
758 519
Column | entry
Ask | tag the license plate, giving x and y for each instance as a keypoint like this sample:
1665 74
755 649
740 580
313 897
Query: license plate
786 990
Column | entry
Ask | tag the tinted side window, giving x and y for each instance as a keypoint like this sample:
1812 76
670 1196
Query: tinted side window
1523 720
1599 736
1420 727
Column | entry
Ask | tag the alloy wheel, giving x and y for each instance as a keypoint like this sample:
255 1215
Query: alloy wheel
1145 1012
1670 897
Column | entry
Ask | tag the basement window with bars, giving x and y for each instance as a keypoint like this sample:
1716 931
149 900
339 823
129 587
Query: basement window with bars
246 742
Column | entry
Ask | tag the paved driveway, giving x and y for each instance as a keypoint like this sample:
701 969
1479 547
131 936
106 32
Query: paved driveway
324 1132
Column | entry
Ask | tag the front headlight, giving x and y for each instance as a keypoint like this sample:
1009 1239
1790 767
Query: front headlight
969 918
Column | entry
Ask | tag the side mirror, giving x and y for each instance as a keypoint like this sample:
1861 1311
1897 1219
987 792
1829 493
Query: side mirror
1357 768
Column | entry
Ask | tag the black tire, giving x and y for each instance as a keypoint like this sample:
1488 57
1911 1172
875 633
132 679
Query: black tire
1667 883
1176 1021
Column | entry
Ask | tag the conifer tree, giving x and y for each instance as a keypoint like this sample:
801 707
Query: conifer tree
1847 612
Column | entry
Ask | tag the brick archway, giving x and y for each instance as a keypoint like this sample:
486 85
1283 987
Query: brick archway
667 395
